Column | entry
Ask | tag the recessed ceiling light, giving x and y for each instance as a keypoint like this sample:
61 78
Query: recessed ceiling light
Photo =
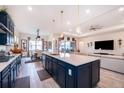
68 23
70 30
87 11
29 8
121 9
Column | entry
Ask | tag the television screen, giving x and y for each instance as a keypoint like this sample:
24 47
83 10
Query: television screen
104 45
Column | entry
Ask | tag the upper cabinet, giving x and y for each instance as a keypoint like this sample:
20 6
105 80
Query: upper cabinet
7 26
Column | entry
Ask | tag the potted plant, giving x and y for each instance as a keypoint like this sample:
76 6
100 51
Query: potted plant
3 11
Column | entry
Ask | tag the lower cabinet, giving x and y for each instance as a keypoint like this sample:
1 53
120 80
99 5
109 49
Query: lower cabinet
50 65
9 74
13 74
84 76
61 76
6 81
54 67
95 72
18 60
6 78
46 63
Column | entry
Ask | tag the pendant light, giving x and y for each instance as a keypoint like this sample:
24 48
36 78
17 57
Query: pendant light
78 29
38 34
62 34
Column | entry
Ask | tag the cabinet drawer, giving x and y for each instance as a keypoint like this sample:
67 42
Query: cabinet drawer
5 72
61 63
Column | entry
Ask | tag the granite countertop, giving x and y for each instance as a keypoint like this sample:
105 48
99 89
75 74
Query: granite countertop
3 65
73 59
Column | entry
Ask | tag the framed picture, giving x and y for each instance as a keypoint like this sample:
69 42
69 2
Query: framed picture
24 44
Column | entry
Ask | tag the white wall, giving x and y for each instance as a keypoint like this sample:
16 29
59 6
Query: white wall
106 36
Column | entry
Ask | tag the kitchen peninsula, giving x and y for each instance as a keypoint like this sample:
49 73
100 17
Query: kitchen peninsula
71 70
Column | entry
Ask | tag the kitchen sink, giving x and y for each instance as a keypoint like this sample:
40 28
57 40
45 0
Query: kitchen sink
5 58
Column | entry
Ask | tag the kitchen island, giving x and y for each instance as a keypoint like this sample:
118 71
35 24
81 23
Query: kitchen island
71 70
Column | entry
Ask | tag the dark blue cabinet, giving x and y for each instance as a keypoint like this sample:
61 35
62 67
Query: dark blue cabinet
95 72
6 20
84 76
54 68
70 76
6 39
6 78
13 73
3 39
7 25
9 74
61 76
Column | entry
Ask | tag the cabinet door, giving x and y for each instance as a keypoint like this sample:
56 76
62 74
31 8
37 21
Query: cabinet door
3 19
46 63
50 66
3 39
6 81
95 72
18 64
61 76
55 72
13 75
84 76
113 64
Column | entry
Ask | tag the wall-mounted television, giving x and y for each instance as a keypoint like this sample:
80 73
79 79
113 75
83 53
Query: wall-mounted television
104 45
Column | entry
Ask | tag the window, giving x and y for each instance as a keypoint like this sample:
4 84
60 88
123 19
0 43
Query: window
39 45
33 45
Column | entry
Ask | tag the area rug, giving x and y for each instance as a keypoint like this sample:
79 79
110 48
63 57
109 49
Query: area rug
43 75
23 82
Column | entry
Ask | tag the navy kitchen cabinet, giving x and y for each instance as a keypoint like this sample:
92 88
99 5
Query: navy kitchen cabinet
61 76
3 39
9 74
6 20
84 76
6 78
13 73
95 73
6 39
18 60
54 67
70 76
46 63
49 64
7 25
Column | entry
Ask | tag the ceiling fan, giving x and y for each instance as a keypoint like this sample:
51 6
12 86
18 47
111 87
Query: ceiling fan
95 27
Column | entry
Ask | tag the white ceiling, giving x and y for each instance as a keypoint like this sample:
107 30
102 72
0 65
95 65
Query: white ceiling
41 17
